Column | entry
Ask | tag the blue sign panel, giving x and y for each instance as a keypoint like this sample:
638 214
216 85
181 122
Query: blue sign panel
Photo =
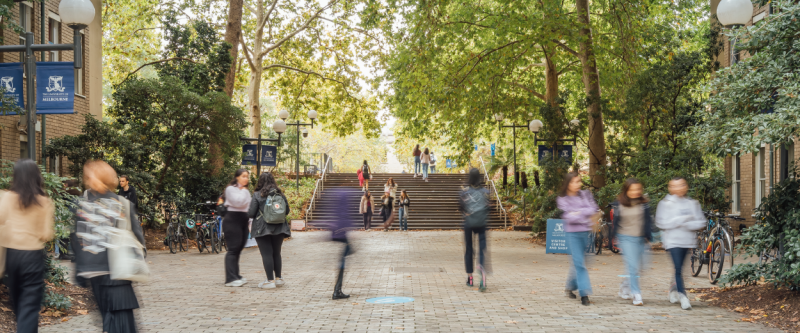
476 147
449 163
389 300
249 154
11 83
268 156
556 236
493 149
564 152
55 87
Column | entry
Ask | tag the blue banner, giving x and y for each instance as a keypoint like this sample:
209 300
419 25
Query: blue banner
269 156
556 236
55 87
11 82
249 154
564 152
493 149
449 163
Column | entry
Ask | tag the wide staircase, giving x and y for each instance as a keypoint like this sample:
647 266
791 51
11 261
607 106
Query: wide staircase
434 204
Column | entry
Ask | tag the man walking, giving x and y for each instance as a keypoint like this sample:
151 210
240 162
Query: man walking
339 228
128 191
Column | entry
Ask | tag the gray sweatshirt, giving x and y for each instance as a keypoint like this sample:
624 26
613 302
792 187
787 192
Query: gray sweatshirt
236 199
679 218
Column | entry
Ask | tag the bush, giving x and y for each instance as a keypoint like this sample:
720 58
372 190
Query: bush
54 300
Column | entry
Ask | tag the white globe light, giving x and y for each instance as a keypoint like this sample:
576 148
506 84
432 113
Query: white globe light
535 125
312 114
498 116
283 114
574 123
305 132
279 126
730 12
79 13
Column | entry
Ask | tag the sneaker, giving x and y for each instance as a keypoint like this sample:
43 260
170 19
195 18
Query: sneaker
570 294
237 283
244 280
674 296
267 285
685 302
637 300
585 300
469 281
415 175
279 282
624 296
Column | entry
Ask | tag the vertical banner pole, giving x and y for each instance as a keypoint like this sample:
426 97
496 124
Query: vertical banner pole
30 108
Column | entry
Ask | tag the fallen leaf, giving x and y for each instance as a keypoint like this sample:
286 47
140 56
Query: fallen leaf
355 303
793 319
5 309
533 292
64 319
738 309
183 259
83 312
510 321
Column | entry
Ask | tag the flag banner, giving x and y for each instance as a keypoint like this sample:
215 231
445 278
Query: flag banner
55 88
11 83
249 154
268 154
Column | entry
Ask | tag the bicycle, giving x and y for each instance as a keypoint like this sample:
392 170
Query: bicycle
207 230
714 243
727 230
177 235
602 237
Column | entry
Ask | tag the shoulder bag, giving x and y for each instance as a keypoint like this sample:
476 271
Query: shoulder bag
126 258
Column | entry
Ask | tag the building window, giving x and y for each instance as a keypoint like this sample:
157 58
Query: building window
736 187
761 176
26 23
787 160
54 37
79 72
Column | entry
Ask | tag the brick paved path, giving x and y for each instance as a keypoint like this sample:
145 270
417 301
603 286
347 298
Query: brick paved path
525 293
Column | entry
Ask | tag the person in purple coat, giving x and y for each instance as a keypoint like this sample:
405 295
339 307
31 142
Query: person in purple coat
339 228
578 207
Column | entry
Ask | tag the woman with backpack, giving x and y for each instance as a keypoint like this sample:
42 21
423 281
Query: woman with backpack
387 210
417 161
632 226
365 209
269 209
405 203
433 163
474 204
235 225
26 224
367 174
426 161
579 208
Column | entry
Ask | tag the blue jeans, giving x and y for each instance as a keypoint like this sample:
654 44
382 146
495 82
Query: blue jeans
678 256
425 170
578 277
433 169
417 166
403 218
633 252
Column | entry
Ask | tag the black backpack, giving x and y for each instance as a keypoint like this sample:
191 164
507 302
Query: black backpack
476 207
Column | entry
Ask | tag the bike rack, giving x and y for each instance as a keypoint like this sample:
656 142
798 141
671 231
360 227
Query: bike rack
319 185
497 195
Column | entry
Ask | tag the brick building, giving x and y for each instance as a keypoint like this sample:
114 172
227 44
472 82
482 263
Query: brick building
750 173
88 80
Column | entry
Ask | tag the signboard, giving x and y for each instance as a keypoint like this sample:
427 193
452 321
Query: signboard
556 236
449 163
564 152
476 147
268 155
298 225
55 87
493 149
249 154
11 83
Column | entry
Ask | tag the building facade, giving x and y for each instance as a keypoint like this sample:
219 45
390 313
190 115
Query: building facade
32 17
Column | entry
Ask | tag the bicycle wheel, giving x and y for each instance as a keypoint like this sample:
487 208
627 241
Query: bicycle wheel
727 237
716 261
183 238
598 241
171 240
697 256
214 239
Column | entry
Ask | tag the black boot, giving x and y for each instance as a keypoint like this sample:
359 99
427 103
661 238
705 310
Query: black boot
585 300
337 290
338 294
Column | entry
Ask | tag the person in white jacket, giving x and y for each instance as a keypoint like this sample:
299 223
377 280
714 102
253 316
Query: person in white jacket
679 216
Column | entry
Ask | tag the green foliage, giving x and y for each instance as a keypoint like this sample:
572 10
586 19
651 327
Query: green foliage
54 300
297 199
746 274
55 273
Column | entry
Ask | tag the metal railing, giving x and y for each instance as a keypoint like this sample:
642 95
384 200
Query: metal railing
497 195
318 188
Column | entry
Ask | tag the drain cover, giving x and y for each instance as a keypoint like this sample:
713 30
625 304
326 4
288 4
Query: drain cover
389 300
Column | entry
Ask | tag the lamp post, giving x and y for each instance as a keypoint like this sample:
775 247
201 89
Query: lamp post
279 127
77 14
536 125
311 115
499 118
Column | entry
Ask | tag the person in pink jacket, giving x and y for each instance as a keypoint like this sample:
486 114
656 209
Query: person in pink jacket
578 207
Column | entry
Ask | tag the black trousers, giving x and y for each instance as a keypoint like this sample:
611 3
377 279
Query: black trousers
270 248
115 301
469 256
25 283
368 218
345 253
236 231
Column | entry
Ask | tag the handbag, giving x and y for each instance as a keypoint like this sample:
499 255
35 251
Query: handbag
126 258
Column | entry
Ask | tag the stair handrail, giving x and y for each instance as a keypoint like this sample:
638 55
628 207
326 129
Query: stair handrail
320 185
497 195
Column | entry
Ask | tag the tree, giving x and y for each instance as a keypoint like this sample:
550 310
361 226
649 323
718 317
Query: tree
233 33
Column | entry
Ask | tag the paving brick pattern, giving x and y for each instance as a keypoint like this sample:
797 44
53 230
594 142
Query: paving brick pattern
525 291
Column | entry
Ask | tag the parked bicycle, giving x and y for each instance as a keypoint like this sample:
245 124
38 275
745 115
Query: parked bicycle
177 234
207 229
602 237
714 244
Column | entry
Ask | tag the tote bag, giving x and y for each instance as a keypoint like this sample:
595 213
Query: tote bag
126 258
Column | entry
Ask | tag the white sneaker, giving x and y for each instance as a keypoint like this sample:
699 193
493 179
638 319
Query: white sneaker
637 299
244 280
624 296
279 282
674 296
415 175
685 302
237 283
267 285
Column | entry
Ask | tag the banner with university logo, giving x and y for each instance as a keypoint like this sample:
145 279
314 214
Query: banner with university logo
55 87
564 152
11 82
249 154
268 154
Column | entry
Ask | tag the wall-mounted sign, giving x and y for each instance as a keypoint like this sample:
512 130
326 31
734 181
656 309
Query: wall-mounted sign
556 236
11 83
55 87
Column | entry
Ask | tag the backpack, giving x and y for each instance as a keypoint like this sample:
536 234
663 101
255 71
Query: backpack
476 207
274 211
364 169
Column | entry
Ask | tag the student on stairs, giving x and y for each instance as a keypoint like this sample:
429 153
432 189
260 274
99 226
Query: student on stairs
387 211
417 161
365 209
405 203
426 161
390 187
367 174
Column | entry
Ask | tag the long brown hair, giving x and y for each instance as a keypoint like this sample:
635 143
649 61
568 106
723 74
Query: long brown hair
416 148
562 192
403 195
391 182
623 194
27 183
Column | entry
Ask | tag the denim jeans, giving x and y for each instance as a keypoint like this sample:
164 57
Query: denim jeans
633 252
578 277
678 256
417 166
403 218
433 168
469 256
425 170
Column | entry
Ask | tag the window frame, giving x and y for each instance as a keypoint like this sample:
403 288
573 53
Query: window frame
736 185
761 175
80 73
54 37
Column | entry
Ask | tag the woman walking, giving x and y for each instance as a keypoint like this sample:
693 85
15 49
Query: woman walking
390 187
365 208
433 163
417 161
367 174
235 225
578 207
632 226
267 230
387 210
474 204
405 204
99 208
679 216
26 224
426 161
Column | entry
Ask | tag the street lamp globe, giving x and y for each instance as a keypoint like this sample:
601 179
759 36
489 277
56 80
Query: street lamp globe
498 116
312 114
734 12
77 14
279 126
305 132
535 125
574 123
283 114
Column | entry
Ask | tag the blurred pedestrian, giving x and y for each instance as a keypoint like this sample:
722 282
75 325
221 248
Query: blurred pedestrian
339 228
26 224
360 178
365 208
235 225
632 226
405 205
98 210
474 205
269 209
579 208
417 161
390 187
367 174
425 158
433 163
387 210
678 217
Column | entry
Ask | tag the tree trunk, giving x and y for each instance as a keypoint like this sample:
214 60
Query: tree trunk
233 32
591 83
254 102
551 82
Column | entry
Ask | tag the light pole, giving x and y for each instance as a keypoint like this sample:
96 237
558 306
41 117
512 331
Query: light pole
77 14
499 118
311 115
536 125
279 127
